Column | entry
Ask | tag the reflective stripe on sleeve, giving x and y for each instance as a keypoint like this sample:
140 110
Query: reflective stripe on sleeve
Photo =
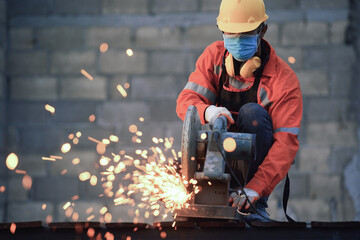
217 69
264 98
293 130
202 91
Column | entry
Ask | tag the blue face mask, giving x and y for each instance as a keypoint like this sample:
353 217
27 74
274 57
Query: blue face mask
241 47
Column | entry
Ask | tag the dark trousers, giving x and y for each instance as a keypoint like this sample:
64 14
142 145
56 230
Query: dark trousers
254 119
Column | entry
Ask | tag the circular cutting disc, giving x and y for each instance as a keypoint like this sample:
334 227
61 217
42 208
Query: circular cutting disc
191 127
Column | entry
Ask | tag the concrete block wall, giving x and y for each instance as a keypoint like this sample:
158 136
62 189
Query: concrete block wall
50 42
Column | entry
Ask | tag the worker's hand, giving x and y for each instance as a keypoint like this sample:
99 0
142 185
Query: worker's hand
212 113
238 198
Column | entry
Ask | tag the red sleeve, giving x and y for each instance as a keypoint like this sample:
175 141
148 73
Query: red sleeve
200 90
286 114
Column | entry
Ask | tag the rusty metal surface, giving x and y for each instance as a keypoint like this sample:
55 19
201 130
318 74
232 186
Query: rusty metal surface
208 211
186 231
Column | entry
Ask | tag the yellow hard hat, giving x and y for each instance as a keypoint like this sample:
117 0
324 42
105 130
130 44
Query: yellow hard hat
237 16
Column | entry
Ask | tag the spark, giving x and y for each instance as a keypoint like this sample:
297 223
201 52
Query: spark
43 207
50 108
75 161
93 180
71 136
121 90
48 159
203 136
133 128
126 85
49 219
155 140
108 217
2 188
84 176
75 216
89 218
12 161
93 140
63 172
141 119
138 133
18 171
209 183
104 47
65 148
229 144
78 134
66 205
163 234
113 138
103 210
92 118
129 52
56 157
291 60
13 228
75 141
90 232
87 75
75 197
110 236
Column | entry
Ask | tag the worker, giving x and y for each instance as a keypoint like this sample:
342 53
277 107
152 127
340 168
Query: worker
242 78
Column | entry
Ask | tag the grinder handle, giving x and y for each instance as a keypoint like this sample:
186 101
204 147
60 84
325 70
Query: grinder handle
220 124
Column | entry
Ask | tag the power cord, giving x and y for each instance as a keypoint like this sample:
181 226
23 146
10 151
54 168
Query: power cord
237 180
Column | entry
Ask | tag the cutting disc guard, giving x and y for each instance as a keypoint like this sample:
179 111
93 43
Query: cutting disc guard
191 127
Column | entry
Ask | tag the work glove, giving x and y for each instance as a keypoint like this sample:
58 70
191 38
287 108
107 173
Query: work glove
238 198
212 113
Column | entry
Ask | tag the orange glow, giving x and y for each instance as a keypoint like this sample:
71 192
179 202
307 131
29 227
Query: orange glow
126 85
101 148
75 197
121 90
66 147
229 144
75 141
50 108
43 207
89 210
114 138
209 183
27 182
13 228
84 176
69 212
108 217
2 188
49 219
87 75
63 172
92 118
93 180
89 218
110 236
56 157
163 234
129 52
20 171
71 136
75 217
90 232
128 238
291 60
75 161
12 161
132 128
94 140
104 47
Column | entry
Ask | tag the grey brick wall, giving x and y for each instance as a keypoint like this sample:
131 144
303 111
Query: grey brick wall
51 41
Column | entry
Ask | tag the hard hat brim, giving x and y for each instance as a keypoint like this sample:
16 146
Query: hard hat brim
240 27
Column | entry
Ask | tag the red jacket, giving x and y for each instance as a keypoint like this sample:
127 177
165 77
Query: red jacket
279 93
